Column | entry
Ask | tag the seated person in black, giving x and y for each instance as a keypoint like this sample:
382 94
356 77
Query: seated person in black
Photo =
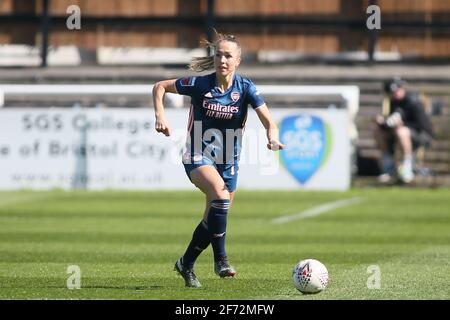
405 123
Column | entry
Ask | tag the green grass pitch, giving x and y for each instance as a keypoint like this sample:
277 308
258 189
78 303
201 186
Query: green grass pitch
126 243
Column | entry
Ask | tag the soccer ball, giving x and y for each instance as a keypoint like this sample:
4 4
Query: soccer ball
310 276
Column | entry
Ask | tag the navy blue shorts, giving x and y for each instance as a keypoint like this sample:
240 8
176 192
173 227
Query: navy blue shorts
228 172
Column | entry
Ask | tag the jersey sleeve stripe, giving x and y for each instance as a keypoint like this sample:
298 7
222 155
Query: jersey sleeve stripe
191 119
259 106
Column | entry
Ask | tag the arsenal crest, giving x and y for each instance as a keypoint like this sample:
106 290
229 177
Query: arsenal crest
235 96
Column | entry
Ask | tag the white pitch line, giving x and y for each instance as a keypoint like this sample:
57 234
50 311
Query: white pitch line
315 211
9 198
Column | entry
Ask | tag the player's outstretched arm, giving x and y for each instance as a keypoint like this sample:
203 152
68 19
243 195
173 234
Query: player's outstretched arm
159 90
273 142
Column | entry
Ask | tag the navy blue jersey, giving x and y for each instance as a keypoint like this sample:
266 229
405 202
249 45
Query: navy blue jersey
216 119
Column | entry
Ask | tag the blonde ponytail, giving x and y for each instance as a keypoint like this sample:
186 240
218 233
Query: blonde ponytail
199 64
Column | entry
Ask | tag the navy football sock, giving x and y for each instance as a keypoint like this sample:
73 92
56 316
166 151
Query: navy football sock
217 225
200 241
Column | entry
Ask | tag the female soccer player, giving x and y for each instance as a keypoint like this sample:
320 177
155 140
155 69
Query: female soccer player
217 116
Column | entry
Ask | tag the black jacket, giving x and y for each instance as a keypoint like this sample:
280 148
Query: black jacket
413 113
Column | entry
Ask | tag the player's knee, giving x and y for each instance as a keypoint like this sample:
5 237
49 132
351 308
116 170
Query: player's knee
220 194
